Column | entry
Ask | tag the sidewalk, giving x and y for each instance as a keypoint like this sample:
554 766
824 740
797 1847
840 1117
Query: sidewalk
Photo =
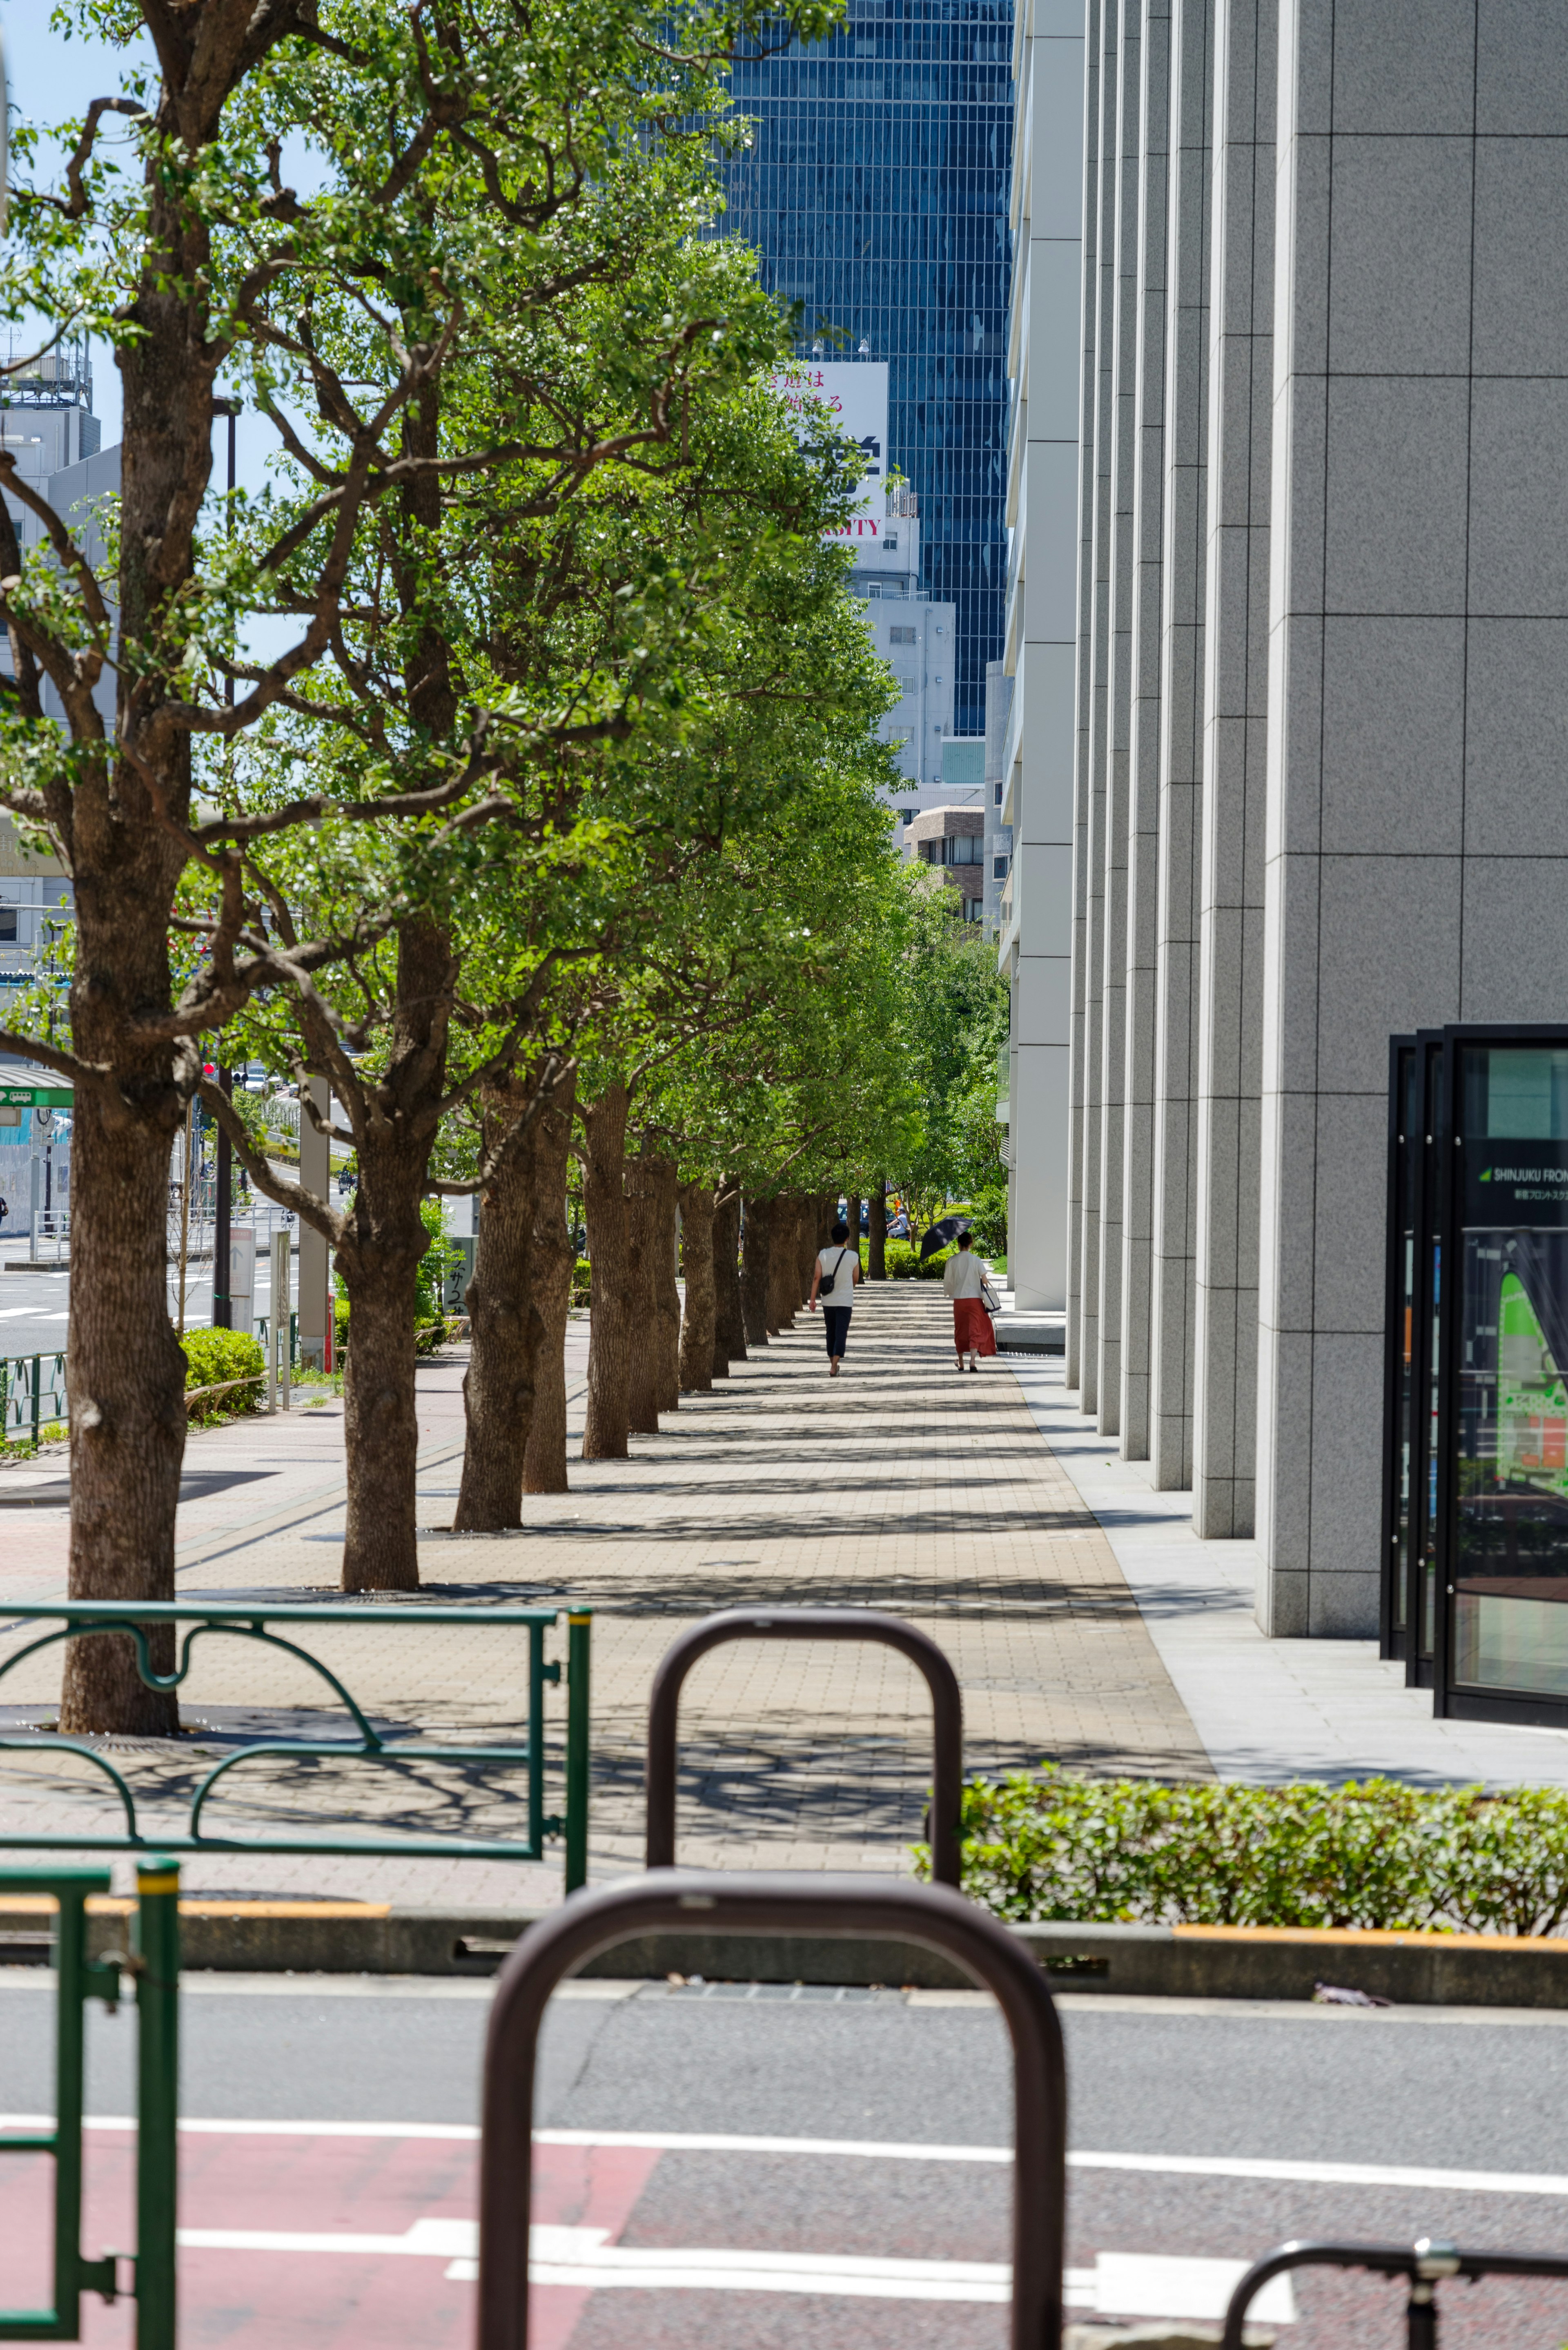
1266 1709
903 1487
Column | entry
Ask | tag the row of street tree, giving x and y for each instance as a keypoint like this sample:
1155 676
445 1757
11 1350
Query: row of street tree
510 763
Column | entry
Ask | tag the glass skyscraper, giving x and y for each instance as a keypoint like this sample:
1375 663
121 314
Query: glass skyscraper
876 192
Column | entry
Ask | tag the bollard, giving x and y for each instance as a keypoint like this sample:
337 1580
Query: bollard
579 1621
157 1967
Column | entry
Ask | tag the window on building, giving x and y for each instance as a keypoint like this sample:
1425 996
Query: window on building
999 868
901 637
906 816
974 910
7 925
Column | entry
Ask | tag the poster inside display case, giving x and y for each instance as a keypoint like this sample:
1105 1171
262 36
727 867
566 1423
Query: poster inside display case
1475 1483
1507 1570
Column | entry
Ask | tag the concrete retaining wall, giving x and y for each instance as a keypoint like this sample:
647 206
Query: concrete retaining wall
1190 1961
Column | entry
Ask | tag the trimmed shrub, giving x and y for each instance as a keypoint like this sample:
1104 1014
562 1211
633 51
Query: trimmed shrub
582 1282
214 1356
903 1263
1372 1853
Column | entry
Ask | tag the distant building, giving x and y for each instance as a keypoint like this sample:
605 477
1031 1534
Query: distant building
47 424
875 192
954 839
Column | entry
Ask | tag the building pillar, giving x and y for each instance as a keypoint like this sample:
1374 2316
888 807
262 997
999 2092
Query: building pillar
1416 870
1144 739
1123 584
1236 647
1172 1302
1090 844
1083 684
1039 752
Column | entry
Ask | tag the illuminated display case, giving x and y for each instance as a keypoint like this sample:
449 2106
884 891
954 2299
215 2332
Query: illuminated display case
1475 1513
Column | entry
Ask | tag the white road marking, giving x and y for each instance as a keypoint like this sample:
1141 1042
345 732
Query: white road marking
1126 2285
1123 2283
1181 2166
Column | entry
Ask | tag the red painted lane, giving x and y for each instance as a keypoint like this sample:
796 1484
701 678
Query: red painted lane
278 2300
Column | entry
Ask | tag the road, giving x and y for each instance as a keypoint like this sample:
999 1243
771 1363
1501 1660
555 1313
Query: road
34 1306
815 2168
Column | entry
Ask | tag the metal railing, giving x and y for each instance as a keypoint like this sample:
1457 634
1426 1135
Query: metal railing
803 1903
30 1396
141 1620
1425 2263
49 1235
808 1624
153 1964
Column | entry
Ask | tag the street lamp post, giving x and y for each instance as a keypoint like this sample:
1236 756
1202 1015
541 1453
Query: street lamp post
223 1308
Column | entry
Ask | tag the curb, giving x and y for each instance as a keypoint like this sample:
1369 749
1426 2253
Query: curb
1138 1961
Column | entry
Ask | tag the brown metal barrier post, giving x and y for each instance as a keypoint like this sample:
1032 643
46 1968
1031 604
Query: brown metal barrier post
737 1902
809 1624
1425 2263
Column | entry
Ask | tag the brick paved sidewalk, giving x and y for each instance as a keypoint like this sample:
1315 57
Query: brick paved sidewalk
902 1486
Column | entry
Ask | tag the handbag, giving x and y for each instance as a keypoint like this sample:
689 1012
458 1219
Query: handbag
987 1296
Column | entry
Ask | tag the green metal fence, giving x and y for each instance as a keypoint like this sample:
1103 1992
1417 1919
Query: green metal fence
98 1620
32 1394
153 1963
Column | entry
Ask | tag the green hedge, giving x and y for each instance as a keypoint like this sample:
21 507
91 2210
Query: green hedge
214 1356
1371 1852
903 1261
582 1282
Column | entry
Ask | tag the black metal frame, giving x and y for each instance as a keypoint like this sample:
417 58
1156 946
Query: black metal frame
803 1903
1425 2263
1440 1214
1419 1147
809 1624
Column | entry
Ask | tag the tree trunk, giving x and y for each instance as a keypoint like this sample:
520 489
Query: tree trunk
545 1463
666 1293
851 1209
126 1374
754 1276
698 1322
507 1330
781 1264
117 818
809 1237
379 1255
642 1226
728 1309
613 1299
877 1233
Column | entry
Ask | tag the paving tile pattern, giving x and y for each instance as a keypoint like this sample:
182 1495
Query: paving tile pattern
904 1486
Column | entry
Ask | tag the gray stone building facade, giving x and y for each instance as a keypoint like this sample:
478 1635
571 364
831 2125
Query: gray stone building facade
1319 668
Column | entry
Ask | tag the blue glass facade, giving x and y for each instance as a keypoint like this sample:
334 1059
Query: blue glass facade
876 192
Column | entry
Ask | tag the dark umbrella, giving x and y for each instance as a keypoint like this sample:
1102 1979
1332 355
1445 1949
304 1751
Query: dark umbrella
938 1236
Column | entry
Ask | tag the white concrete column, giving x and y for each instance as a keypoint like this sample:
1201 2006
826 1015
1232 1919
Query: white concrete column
1144 739
1039 755
1172 1302
1230 1071
1123 576
1091 843
1083 686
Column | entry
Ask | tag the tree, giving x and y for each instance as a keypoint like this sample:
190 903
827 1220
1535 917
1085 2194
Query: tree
477 171
955 1020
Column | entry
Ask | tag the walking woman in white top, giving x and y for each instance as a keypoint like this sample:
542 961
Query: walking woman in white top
837 1270
963 1278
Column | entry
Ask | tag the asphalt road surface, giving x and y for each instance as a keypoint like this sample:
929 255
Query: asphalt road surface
725 2170
34 1306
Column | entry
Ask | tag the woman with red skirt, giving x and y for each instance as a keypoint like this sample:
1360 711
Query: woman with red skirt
963 1278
